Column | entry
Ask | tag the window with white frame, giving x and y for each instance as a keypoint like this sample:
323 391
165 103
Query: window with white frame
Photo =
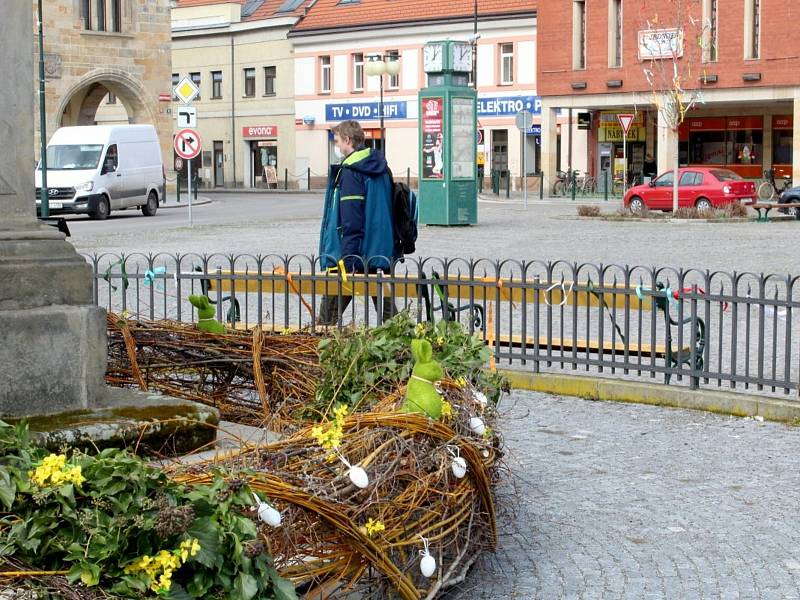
506 64
752 29
358 72
270 75
579 34
710 30
394 80
324 74
614 33
249 82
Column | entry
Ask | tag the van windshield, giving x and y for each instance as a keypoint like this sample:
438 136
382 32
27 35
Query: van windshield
72 157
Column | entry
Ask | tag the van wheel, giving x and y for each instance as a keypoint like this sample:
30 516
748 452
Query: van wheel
102 210
149 209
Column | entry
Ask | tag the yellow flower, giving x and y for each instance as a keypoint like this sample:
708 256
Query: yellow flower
440 341
189 548
331 437
52 471
374 527
461 382
447 410
419 330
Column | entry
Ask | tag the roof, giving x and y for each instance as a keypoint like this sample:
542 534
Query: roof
328 15
256 10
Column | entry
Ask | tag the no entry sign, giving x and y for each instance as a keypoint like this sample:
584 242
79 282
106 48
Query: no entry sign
187 143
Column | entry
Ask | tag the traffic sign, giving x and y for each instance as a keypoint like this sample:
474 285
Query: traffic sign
524 120
625 121
186 116
187 143
186 90
178 163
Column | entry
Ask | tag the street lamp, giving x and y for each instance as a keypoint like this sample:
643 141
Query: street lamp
377 66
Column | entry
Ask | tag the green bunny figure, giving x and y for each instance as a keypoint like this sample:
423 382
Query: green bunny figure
205 313
421 395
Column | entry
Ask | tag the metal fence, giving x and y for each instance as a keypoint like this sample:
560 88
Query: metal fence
680 326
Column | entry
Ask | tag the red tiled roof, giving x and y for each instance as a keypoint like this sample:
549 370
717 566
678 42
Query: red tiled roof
268 9
333 14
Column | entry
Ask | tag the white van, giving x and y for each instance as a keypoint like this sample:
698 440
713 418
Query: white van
96 169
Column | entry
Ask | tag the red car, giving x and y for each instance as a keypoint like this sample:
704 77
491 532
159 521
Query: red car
702 187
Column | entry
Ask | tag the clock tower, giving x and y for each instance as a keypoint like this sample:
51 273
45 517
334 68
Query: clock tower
448 191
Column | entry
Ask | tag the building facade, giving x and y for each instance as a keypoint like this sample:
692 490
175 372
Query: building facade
335 40
737 63
238 54
94 48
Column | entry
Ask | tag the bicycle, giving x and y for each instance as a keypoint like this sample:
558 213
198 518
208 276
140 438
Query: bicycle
769 190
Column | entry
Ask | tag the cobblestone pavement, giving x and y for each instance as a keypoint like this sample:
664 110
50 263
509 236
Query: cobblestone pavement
639 502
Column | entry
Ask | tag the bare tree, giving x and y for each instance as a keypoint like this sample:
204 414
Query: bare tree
673 42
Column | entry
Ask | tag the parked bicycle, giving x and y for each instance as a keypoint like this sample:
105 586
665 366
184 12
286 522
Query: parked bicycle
769 190
585 184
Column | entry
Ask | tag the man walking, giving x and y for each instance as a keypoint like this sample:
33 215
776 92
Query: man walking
357 233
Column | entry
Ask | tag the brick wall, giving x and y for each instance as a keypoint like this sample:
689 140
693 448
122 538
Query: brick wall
779 62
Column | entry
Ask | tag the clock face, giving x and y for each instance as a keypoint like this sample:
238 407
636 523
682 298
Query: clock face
462 57
434 58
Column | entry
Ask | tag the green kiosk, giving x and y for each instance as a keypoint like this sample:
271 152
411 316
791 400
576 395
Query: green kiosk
448 192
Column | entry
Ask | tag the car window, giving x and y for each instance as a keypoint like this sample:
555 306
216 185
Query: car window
110 163
665 180
690 178
725 175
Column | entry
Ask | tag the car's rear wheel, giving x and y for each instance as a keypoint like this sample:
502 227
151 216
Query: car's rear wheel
149 209
102 210
636 205
703 204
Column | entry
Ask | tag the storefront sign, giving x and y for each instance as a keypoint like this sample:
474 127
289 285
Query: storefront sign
783 122
740 123
660 43
260 131
508 106
615 134
432 110
365 110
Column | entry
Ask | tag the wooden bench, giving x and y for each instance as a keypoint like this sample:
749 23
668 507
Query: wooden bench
763 209
459 294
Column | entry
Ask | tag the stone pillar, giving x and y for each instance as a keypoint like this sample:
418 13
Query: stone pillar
549 145
766 159
53 350
667 145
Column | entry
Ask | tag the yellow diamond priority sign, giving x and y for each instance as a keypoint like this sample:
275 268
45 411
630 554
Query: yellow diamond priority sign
186 90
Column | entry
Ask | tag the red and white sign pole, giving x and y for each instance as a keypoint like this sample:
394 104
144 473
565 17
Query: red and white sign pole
625 121
187 146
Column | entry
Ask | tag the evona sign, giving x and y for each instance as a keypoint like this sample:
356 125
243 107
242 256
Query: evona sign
660 43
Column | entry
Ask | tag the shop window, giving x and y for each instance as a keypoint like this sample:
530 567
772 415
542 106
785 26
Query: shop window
745 147
615 33
249 82
506 64
195 77
358 72
270 75
782 147
707 148
324 74
216 85
579 34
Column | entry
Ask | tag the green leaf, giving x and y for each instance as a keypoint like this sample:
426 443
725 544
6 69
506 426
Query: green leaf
8 489
207 533
177 592
283 588
90 574
245 587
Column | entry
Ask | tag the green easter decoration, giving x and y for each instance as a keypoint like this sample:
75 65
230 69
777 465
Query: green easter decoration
421 394
205 314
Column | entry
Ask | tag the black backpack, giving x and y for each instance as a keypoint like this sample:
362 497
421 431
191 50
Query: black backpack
405 213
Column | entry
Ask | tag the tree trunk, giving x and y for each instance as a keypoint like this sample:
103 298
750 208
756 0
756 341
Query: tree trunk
675 167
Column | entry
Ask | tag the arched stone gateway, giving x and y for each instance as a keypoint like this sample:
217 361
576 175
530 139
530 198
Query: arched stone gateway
97 47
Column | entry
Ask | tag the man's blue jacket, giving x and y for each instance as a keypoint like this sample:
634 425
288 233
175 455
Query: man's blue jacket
357 221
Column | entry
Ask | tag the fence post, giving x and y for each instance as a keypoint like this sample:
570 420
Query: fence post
605 183
573 183
408 177
508 183
308 178
541 185
694 379
195 179
286 179
178 187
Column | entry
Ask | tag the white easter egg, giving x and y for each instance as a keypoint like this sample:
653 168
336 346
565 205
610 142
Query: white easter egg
477 425
459 467
269 515
480 397
359 477
427 565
